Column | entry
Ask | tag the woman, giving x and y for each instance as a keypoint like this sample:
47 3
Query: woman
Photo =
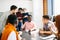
9 32
58 26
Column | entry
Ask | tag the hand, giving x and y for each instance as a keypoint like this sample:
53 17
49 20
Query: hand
41 32
20 32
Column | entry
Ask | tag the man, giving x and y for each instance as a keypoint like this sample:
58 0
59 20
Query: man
48 29
9 32
4 16
20 16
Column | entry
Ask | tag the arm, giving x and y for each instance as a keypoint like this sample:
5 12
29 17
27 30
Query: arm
34 27
50 25
52 29
48 32
45 32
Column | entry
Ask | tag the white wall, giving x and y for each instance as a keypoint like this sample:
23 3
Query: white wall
5 4
56 7
38 12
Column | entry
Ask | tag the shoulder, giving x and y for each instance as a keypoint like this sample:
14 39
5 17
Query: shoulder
51 23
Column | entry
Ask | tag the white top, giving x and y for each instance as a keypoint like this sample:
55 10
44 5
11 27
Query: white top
53 29
12 36
52 26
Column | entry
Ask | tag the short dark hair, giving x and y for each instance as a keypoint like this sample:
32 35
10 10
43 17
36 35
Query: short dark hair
46 16
12 19
20 9
13 7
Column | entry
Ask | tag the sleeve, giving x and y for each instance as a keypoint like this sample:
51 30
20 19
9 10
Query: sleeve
53 27
12 36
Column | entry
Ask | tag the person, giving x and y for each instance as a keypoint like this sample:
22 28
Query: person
57 20
27 28
20 17
25 16
10 32
49 29
3 17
